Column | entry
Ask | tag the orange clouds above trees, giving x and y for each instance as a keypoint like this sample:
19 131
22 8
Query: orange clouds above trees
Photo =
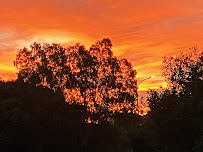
141 31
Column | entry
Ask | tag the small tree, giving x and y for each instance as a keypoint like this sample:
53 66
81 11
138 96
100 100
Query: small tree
92 78
185 76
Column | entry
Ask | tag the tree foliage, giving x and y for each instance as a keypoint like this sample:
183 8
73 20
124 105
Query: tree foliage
93 78
37 119
177 111
184 69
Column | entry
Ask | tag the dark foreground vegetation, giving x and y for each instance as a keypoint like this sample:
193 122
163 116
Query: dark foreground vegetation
37 118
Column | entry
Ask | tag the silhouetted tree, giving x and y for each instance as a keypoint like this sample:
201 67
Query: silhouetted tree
184 69
93 78
177 111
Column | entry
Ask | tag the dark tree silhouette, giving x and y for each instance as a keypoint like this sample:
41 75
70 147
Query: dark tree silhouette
184 69
177 111
92 78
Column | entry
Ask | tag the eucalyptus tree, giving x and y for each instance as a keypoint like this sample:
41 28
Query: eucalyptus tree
93 78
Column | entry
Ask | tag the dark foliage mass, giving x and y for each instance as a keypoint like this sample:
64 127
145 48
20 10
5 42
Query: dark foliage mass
38 119
35 117
178 111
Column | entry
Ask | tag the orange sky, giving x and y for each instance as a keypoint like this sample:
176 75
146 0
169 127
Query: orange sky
142 31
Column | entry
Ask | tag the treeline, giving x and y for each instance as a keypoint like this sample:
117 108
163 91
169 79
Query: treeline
37 117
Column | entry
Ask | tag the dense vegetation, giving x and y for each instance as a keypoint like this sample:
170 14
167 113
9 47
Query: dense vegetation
37 118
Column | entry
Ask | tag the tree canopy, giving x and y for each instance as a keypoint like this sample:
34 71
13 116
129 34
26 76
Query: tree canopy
34 116
177 111
184 69
93 78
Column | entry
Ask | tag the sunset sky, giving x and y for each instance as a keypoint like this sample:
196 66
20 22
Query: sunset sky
142 31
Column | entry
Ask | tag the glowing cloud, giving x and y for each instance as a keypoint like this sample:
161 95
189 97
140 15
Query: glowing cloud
141 31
